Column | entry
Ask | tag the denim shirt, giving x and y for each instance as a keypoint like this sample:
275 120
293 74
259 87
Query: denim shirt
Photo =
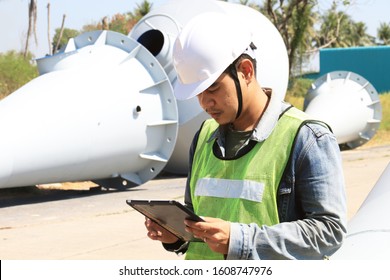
311 197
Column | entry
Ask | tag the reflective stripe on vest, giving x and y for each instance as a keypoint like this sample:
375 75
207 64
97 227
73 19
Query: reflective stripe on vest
244 189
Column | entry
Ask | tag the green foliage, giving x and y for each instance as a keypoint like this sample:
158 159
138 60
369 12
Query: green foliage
338 30
297 90
66 35
121 24
384 33
298 87
141 10
15 71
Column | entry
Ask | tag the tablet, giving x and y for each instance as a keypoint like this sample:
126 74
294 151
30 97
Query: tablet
170 214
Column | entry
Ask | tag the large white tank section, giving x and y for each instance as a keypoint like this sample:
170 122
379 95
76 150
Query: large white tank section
368 235
158 30
101 109
349 104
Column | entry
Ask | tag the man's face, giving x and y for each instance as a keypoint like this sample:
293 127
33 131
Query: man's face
220 100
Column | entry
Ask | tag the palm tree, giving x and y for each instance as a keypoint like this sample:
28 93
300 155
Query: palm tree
334 29
141 10
359 35
384 33
338 30
295 20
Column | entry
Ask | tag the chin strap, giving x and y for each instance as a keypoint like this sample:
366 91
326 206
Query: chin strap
233 74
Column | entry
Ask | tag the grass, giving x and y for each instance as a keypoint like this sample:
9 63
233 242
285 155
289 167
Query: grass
382 137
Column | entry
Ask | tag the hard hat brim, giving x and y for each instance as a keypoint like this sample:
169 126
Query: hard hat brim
187 91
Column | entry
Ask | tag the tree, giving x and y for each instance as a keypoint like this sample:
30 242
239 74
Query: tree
32 24
305 30
141 10
335 25
384 33
16 70
359 36
293 19
121 23
66 35
48 29
58 41
338 30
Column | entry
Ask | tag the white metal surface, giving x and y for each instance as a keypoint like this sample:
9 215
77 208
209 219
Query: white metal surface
348 103
369 230
102 110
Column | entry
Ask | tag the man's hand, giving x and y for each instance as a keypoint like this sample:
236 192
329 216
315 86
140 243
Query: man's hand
214 232
156 232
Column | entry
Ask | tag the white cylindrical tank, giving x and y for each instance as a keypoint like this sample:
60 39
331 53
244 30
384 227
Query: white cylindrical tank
348 103
103 108
368 235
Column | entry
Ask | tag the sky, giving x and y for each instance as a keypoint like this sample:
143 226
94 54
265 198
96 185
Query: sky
14 17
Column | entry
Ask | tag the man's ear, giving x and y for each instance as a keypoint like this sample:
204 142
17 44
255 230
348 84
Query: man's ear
247 69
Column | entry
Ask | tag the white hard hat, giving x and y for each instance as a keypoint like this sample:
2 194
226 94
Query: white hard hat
205 47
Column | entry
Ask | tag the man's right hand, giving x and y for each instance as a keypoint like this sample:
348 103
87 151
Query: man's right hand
156 232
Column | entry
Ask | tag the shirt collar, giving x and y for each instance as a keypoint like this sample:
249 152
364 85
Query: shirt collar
266 124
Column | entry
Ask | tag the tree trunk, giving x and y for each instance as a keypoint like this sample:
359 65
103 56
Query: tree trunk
48 28
60 36
32 24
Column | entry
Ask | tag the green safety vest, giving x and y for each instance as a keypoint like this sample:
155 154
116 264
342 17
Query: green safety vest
242 190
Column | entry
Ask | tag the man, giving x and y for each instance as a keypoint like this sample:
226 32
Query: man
266 179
